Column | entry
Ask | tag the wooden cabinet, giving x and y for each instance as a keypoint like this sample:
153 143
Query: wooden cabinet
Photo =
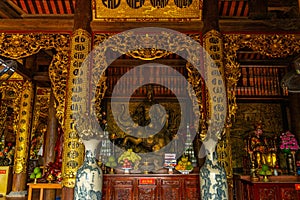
278 188
171 188
151 187
147 192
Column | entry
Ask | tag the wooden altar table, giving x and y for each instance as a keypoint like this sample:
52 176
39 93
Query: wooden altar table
41 187
282 187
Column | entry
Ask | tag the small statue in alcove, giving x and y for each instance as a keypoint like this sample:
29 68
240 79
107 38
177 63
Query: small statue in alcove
261 149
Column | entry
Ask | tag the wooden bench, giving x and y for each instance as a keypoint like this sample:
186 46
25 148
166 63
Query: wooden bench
41 187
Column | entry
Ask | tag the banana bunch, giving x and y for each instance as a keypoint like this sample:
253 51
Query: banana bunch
129 155
111 162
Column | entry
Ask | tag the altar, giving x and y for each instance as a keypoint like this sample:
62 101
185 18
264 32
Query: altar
151 186
278 187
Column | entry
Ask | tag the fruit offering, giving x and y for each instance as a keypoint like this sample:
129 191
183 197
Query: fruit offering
130 155
184 164
127 163
129 158
111 162
36 173
265 170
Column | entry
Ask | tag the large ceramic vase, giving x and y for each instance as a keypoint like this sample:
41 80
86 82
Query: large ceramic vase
213 182
89 177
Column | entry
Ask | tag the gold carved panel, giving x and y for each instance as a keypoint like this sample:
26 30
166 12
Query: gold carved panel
148 10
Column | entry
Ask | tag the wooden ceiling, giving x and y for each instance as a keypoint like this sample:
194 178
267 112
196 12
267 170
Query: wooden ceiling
17 8
235 15
234 8
41 7
227 8
10 9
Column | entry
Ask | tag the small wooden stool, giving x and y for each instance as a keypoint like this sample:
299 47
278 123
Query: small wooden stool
42 186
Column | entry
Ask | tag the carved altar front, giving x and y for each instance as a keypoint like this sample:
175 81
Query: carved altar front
151 186
279 187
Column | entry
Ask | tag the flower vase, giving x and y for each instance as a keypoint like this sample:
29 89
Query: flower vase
89 177
290 163
213 182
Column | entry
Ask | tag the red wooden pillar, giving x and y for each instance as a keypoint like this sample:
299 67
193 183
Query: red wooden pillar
294 107
50 140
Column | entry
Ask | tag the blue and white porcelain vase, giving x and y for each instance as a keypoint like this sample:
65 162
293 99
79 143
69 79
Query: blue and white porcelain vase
89 177
213 181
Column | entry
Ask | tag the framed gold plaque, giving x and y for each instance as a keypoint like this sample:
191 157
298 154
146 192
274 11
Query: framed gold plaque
148 10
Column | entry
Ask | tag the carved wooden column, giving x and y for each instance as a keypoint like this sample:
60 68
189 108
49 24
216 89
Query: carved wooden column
50 140
299 6
258 9
213 44
210 16
294 107
80 47
22 140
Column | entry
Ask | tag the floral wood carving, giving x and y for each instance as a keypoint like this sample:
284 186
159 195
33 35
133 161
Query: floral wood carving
271 45
17 46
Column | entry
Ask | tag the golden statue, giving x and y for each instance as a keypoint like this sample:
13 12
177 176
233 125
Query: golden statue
261 149
150 130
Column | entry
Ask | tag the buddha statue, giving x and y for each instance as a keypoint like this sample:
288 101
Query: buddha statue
150 128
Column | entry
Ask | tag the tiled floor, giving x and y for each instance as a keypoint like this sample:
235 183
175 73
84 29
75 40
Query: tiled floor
13 198
35 196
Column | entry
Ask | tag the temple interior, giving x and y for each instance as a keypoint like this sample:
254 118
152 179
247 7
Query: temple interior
155 99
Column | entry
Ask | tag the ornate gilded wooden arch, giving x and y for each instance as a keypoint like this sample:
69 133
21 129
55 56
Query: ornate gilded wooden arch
194 77
17 46
271 45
